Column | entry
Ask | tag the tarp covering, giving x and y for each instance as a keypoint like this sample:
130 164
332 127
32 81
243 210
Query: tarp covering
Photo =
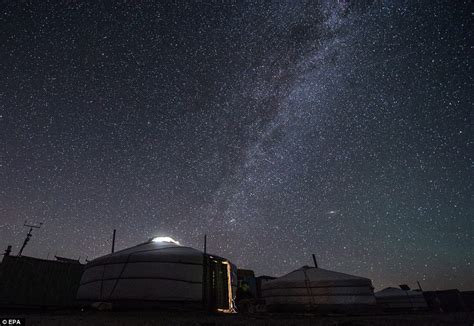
395 298
312 287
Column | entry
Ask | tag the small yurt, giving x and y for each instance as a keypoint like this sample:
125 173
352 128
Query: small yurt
317 289
397 299
160 273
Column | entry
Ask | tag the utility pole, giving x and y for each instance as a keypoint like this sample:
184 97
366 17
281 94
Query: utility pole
29 235
205 277
419 286
113 241
315 261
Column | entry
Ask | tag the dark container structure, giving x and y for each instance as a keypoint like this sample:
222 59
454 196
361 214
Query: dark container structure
33 282
260 280
468 299
445 301
247 276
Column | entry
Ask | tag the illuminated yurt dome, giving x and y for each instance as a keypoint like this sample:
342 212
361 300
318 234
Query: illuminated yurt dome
160 272
397 299
310 288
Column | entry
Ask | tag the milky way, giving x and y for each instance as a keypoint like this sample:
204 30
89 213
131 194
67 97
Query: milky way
279 130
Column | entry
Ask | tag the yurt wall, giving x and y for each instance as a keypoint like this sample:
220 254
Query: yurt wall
160 273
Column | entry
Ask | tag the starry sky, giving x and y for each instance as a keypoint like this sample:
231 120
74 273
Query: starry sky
279 129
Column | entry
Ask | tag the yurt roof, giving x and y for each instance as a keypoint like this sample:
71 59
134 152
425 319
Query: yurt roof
393 292
318 276
153 251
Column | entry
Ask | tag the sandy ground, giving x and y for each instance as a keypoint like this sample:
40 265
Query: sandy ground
76 318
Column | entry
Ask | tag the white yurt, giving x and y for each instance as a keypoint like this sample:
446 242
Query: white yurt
397 299
317 289
160 272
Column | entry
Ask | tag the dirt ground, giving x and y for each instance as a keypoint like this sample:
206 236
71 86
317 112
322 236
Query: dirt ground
111 318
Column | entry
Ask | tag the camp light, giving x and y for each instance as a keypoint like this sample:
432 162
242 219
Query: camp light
164 239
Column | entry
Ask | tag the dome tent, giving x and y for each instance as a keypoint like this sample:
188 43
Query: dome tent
160 272
311 288
397 299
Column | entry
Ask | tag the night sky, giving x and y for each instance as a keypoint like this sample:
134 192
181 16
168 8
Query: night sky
279 129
